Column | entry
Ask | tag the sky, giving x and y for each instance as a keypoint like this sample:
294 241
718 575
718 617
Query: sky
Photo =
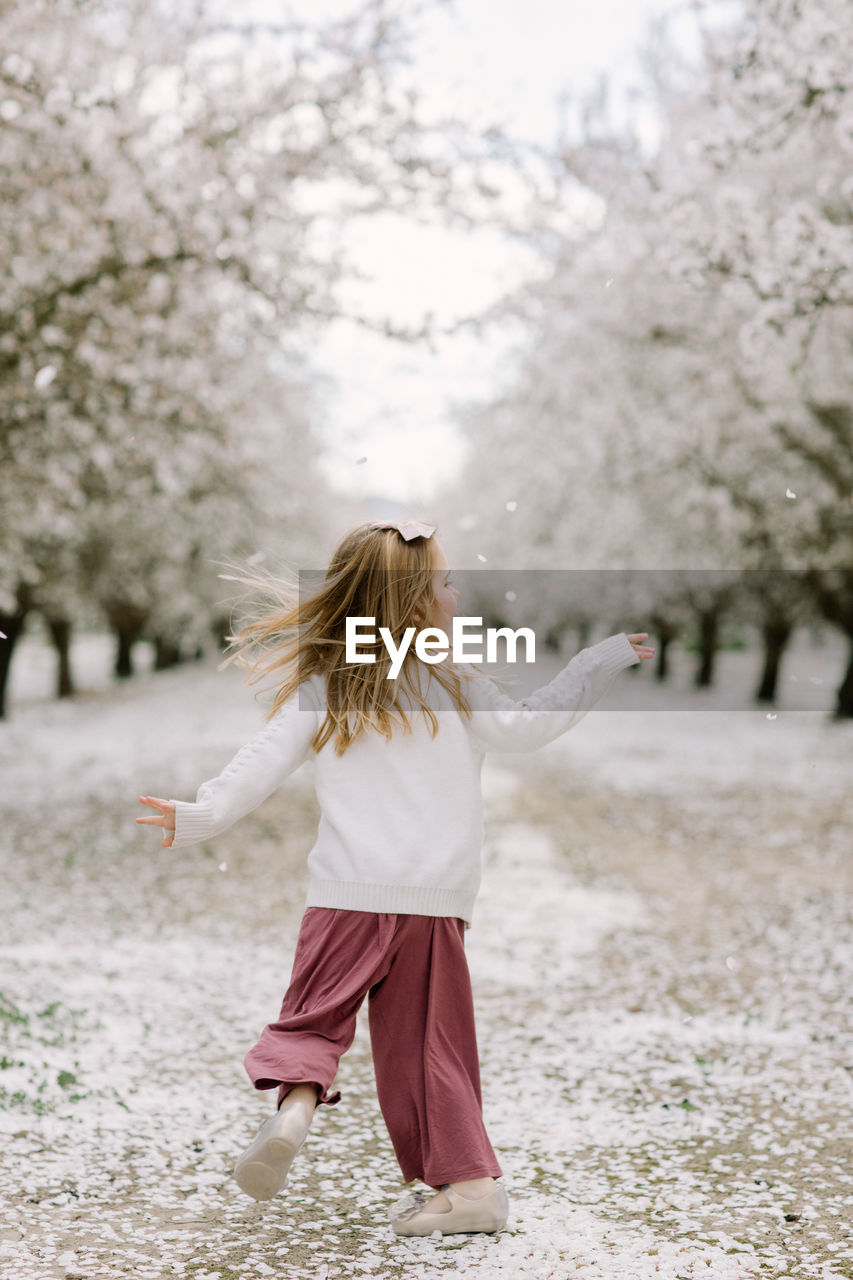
389 426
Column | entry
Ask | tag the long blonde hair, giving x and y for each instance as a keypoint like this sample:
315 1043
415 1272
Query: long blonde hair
375 573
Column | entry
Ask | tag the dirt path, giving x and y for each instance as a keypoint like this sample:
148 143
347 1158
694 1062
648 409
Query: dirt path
662 987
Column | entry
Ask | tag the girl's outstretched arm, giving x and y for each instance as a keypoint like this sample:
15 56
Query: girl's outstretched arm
501 723
255 772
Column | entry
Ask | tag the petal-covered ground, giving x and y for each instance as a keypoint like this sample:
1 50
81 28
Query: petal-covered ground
662 962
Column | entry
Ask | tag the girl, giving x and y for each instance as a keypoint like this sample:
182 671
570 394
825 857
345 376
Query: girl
395 866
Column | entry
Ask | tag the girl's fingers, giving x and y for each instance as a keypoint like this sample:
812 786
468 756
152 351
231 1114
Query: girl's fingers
165 818
642 650
167 813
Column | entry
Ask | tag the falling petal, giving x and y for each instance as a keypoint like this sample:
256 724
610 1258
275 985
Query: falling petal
479 557
223 866
771 715
45 376
731 963
466 523
3 635
359 461
608 282
788 494
257 557
815 679
510 596
511 506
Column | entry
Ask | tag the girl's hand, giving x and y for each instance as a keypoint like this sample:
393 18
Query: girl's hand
641 650
166 819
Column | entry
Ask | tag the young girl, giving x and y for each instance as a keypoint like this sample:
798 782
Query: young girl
396 863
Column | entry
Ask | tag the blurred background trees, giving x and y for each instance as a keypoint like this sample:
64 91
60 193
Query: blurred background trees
685 396
176 186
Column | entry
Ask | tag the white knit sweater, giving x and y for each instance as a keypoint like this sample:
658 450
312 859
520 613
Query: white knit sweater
401 826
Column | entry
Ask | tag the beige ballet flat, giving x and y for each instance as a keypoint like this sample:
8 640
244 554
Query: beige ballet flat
489 1213
263 1167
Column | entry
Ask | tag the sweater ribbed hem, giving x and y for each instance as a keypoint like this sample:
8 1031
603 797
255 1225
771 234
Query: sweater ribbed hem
193 822
396 899
614 653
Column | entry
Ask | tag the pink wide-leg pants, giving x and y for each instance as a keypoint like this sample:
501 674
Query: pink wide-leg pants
422 1034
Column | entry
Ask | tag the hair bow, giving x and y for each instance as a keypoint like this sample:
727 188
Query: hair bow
407 529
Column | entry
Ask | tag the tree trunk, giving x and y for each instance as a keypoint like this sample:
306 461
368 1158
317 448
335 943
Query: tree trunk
665 633
833 591
11 624
709 625
127 623
221 629
776 632
166 653
123 669
553 639
844 696
60 636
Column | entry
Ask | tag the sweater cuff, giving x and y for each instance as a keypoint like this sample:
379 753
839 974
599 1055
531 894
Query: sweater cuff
193 822
615 653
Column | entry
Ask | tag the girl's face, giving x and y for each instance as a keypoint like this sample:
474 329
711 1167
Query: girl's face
446 595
